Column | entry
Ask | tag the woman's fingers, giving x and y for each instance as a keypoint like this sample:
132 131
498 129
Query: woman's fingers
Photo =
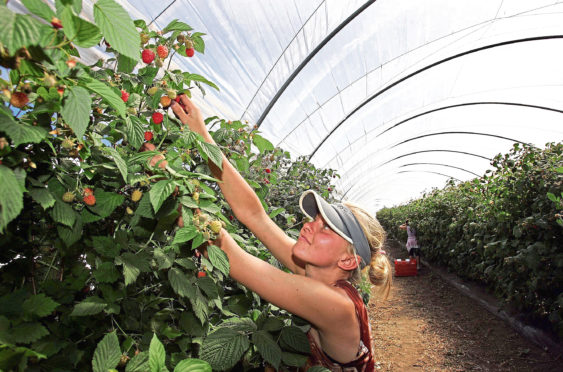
179 112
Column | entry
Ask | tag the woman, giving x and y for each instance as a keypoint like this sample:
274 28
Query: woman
412 243
329 252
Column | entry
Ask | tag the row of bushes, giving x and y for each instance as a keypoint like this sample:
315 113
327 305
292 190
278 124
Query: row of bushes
504 230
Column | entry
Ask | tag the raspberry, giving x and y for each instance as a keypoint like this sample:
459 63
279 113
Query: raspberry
67 143
129 210
267 170
195 196
165 101
56 23
124 96
136 195
148 136
147 56
19 99
132 110
50 81
215 226
172 94
162 51
87 191
90 200
68 197
157 117
144 38
190 52
152 91
201 274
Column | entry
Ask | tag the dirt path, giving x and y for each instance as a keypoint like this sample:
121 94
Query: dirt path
427 325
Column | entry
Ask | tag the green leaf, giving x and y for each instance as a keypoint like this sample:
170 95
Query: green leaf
11 197
294 360
185 234
107 353
192 365
76 110
277 211
219 259
240 324
42 196
223 348
106 202
117 27
199 305
134 131
262 144
63 213
139 363
267 347
70 235
20 132
196 77
199 44
125 64
293 338
176 25
90 306
160 192
81 32
180 283
272 324
552 197
157 355
132 266
18 30
105 92
121 164
27 332
106 273
105 246
208 286
39 305
40 9
212 152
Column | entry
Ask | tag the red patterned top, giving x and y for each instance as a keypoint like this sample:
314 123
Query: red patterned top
364 362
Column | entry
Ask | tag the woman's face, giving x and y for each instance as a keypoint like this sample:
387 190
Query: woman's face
319 245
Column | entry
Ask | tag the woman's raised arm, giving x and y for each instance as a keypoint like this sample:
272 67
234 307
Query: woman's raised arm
241 197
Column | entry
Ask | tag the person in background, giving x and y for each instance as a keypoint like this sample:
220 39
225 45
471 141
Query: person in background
338 241
412 243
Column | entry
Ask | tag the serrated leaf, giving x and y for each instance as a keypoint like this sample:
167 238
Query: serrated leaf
107 353
157 355
117 27
262 144
196 77
20 132
11 197
293 338
186 263
134 131
212 152
42 196
163 260
208 286
272 324
199 44
76 110
223 348
70 235
185 234
277 211
105 246
81 32
106 202
160 192
267 347
121 164
39 305
63 213
192 365
27 332
105 92
219 259
40 9
139 363
199 305
125 64
176 25
180 283
106 273
132 266
294 360
18 30
240 324
89 306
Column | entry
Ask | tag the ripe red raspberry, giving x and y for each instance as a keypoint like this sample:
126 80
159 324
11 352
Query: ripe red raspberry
162 51
157 117
19 99
267 170
190 52
201 274
147 56
56 23
90 200
124 96
148 136
87 191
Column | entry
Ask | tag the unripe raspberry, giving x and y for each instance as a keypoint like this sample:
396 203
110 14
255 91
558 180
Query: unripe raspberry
158 62
157 117
152 91
162 51
68 197
129 211
165 101
206 235
189 44
136 195
195 196
215 226
71 63
171 93
90 200
144 38
50 81
132 110
19 99
67 143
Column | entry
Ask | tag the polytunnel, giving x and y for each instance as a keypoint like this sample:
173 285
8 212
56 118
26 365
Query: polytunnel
397 96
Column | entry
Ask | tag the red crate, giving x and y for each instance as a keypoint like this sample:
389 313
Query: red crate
405 267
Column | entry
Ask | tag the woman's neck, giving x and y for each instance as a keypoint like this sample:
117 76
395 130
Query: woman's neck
329 276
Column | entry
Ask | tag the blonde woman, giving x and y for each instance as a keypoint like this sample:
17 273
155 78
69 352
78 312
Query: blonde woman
339 240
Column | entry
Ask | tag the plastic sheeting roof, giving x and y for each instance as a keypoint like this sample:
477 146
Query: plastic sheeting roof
397 96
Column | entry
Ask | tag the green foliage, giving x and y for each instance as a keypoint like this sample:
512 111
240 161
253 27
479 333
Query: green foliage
502 230
99 227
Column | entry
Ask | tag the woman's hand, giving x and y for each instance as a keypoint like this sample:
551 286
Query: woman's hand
189 114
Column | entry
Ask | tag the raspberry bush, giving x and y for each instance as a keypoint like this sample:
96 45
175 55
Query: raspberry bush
107 203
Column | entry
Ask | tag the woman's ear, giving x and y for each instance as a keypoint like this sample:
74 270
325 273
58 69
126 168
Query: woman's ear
349 262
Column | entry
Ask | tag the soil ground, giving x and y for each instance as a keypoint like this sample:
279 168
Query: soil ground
428 325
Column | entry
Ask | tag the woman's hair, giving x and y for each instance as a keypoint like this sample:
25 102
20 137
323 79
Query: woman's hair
379 269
